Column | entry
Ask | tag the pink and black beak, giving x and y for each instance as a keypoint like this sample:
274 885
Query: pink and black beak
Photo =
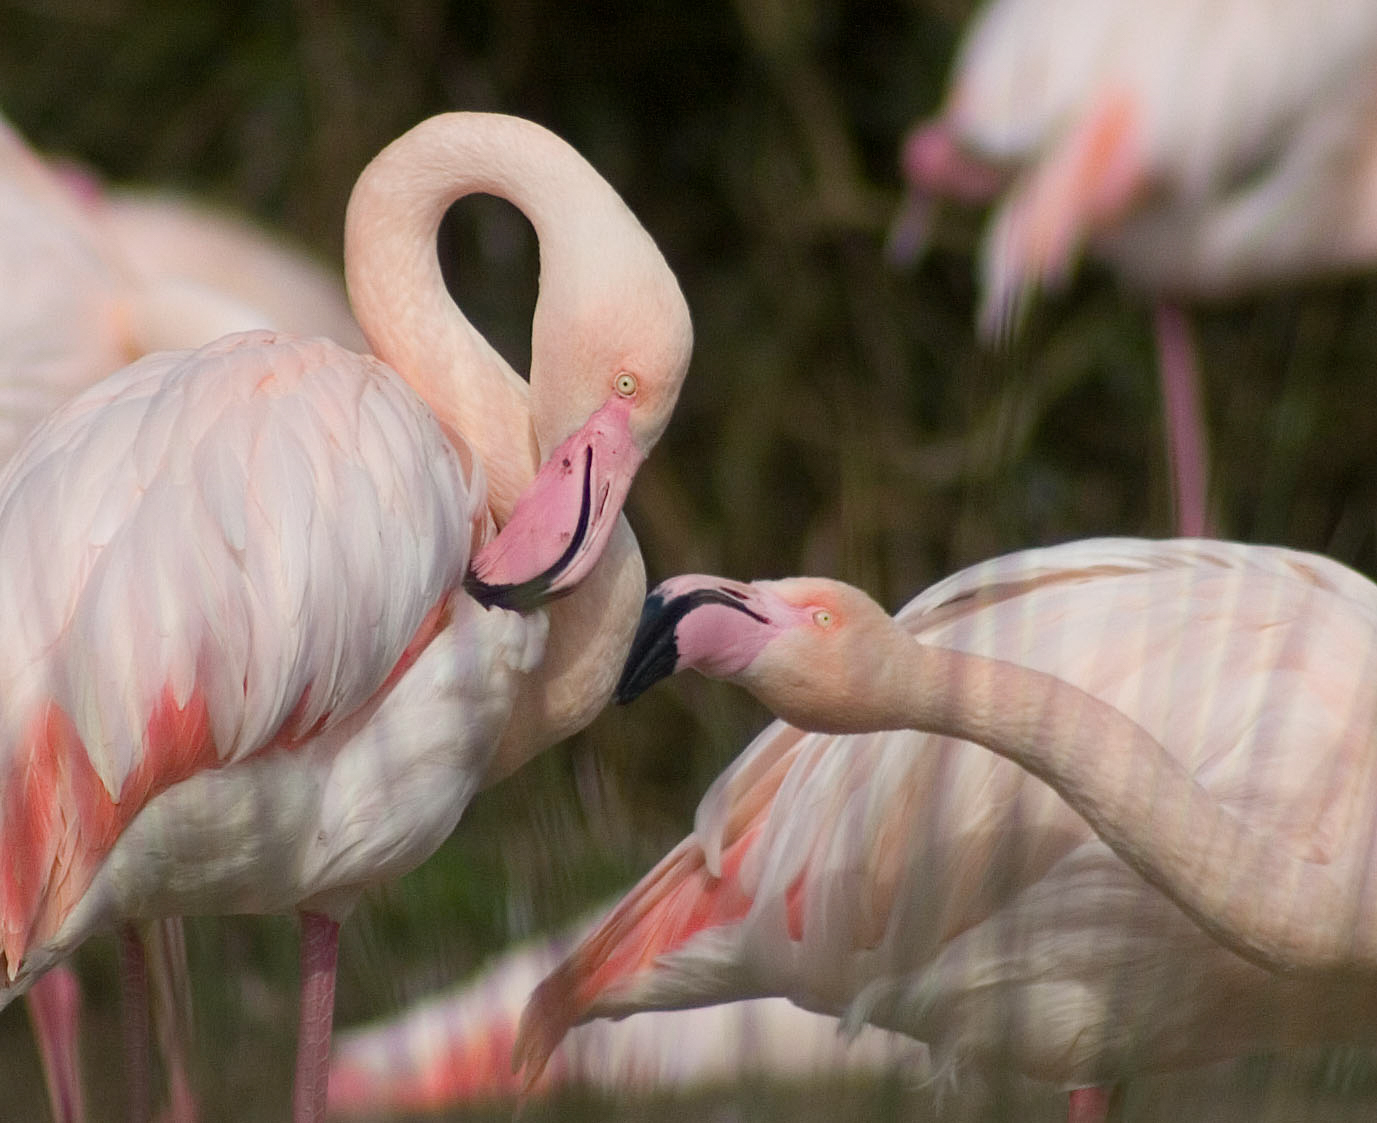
681 619
563 519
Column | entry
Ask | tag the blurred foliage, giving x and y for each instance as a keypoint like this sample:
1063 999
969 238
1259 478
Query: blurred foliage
839 419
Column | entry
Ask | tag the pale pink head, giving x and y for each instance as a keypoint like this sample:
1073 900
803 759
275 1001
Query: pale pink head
610 340
810 649
610 348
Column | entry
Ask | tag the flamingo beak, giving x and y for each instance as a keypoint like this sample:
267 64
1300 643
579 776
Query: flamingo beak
563 519
658 649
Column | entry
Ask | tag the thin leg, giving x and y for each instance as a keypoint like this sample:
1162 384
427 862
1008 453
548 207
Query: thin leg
1088 1105
134 974
55 1010
319 953
1186 445
170 984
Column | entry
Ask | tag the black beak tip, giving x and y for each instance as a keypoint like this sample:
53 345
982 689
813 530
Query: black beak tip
524 597
654 654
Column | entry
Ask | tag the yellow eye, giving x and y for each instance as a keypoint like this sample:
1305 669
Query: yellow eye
625 384
822 618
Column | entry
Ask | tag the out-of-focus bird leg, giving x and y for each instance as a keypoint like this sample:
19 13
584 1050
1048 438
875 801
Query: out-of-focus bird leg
55 1009
1183 416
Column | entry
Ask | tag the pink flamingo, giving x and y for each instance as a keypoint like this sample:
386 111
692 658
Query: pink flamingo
456 1048
313 673
915 881
94 279
161 237
1204 148
75 309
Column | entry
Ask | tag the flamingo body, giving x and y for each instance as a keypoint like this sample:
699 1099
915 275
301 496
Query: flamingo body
61 324
918 882
1203 148
91 280
1172 140
161 235
244 678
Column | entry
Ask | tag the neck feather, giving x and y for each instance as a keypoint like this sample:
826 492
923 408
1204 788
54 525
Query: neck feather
399 295
590 632
1263 902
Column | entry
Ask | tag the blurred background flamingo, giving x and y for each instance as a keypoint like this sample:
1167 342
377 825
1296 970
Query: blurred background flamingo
919 883
1204 148
455 1049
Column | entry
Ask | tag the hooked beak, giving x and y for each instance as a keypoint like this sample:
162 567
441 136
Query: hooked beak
656 651
563 519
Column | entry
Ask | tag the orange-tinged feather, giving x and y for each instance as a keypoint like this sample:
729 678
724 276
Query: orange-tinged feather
60 822
676 901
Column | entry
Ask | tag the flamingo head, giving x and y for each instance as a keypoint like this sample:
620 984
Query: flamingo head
810 649
606 369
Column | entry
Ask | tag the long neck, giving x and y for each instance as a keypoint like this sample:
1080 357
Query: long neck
399 295
405 310
590 632
1244 888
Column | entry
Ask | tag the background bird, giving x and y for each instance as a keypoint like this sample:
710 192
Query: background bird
1205 149
453 1049
920 883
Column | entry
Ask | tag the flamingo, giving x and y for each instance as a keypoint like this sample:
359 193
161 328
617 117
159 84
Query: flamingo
254 664
161 236
1203 148
94 278
455 1048
1194 888
75 309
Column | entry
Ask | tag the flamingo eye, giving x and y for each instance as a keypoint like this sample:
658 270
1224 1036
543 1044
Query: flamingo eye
822 618
625 384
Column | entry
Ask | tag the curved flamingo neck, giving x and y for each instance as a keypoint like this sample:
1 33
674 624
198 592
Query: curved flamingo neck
1246 889
405 310
399 295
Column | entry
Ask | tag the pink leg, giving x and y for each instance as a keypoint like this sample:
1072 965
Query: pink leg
1186 448
134 976
170 984
319 952
1088 1105
55 1009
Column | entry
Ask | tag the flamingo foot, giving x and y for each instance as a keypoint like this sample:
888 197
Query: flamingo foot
319 954
55 1009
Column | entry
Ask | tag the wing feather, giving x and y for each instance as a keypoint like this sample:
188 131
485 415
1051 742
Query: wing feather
208 553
